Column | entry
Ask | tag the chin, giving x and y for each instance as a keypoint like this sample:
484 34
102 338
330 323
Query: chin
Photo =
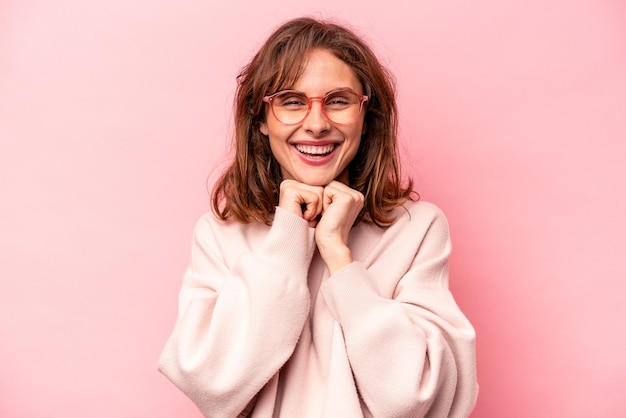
319 182
320 179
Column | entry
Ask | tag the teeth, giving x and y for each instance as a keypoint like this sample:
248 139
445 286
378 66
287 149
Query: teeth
315 149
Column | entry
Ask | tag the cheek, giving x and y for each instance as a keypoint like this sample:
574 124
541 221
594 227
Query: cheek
355 142
353 148
356 135
360 127
274 129
278 137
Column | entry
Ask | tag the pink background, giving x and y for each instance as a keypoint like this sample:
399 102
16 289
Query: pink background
113 114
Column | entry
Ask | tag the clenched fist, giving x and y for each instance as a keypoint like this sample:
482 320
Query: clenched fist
332 210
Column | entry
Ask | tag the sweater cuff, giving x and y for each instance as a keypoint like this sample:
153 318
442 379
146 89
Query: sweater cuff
291 237
349 293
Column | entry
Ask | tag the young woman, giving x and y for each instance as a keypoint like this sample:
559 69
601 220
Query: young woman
318 286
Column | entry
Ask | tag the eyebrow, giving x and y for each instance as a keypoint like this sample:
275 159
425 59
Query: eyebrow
329 91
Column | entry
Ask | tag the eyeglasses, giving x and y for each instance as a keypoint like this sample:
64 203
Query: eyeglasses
291 107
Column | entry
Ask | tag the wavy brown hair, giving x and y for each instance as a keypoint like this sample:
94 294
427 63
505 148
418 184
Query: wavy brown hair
248 190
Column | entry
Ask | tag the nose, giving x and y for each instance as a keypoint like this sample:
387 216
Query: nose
316 122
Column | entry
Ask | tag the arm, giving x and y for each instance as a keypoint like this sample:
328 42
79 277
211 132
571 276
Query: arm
238 324
411 355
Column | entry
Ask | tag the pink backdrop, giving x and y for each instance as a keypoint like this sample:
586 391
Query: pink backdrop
112 115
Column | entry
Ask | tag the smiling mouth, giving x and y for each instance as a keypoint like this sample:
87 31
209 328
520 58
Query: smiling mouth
316 150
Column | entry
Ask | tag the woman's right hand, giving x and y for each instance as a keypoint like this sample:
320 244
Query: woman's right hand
302 200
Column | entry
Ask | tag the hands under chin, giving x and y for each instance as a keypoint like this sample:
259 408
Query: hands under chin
332 210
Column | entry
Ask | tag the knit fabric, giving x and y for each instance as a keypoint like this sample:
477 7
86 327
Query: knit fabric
264 331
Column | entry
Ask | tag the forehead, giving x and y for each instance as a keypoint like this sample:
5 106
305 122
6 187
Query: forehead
323 72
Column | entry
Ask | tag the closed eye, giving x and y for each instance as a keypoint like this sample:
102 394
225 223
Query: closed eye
291 101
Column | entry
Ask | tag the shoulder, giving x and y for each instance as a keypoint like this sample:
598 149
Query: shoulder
211 227
420 221
209 222
419 212
414 221
419 233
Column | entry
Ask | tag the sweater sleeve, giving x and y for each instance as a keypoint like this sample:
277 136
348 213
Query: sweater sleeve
239 323
412 355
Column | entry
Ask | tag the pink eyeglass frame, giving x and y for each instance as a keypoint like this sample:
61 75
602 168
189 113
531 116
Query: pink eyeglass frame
362 99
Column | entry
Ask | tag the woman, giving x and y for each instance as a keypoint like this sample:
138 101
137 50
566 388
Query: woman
318 287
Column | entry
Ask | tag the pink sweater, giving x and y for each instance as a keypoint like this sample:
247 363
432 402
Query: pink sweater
263 331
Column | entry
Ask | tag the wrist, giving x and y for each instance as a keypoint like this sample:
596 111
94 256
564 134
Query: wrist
336 258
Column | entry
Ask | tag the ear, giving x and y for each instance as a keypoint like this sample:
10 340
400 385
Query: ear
263 128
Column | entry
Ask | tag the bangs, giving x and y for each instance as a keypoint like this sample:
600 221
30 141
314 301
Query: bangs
289 66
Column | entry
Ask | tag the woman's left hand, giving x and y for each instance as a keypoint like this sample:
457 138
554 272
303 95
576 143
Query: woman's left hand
341 206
